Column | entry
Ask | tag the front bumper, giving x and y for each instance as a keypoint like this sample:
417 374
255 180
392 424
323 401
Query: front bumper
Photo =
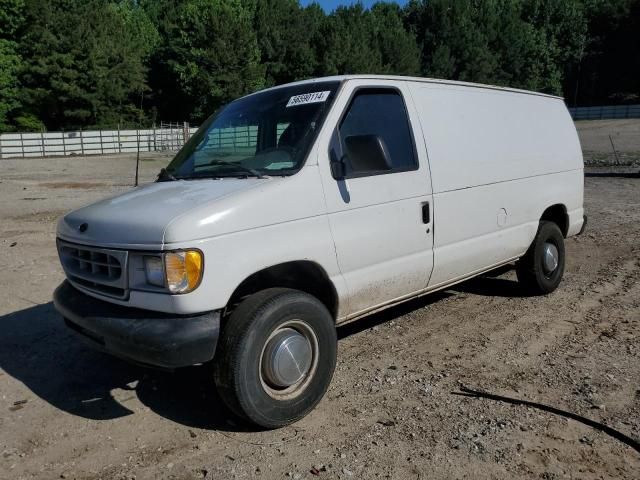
140 336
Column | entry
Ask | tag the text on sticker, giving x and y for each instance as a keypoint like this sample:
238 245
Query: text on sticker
314 97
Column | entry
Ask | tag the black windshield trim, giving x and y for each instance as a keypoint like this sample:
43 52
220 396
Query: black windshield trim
215 176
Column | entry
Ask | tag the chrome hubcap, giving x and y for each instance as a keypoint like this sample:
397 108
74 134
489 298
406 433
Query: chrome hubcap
549 258
287 358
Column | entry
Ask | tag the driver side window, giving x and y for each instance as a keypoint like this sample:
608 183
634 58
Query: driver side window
379 112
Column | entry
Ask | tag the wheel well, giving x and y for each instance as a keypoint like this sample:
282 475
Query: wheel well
302 275
558 215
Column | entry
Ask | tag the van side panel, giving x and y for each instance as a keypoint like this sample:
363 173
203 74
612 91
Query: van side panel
478 136
498 160
468 232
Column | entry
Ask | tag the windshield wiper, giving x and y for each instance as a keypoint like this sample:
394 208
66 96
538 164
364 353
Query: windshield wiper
165 176
242 168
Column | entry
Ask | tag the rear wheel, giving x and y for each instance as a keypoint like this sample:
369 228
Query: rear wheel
540 270
276 357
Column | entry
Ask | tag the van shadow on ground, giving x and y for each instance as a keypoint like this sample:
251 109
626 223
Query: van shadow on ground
490 285
37 349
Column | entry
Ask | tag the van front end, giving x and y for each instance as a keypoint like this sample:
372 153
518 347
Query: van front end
234 228
95 303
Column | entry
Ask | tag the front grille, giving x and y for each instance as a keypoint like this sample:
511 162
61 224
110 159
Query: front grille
97 269
101 266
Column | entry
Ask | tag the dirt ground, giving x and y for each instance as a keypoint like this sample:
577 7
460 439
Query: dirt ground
600 137
392 409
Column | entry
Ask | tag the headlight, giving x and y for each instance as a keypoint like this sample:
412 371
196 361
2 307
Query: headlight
183 270
179 271
154 271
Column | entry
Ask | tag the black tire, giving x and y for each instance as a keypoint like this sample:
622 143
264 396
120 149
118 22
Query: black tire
237 365
530 268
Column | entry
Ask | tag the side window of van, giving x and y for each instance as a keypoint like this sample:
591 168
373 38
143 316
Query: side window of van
377 113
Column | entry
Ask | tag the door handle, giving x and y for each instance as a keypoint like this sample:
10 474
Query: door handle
426 213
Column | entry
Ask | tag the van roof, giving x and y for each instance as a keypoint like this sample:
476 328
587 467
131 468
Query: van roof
341 78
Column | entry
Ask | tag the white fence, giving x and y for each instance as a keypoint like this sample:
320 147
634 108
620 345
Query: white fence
169 137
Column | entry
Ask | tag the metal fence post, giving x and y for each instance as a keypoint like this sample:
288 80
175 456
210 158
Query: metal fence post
22 144
119 144
614 150
185 129
64 145
137 155
81 143
101 147
42 142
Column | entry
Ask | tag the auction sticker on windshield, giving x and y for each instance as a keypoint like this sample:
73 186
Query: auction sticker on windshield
314 97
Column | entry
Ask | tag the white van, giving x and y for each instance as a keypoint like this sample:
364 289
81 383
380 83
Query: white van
311 204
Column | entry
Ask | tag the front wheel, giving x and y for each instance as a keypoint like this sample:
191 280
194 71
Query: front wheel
540 270
276 357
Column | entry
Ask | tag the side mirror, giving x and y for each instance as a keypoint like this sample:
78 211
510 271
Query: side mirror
367 153
338 170
337 165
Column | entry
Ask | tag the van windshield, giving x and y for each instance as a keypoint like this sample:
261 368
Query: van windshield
267 133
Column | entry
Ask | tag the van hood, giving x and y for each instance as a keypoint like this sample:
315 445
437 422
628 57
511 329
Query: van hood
140 217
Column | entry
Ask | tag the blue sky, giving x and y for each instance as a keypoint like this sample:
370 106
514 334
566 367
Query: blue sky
329 5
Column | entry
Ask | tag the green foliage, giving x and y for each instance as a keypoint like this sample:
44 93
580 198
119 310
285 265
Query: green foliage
71 63
560 30
399 52
355 40
85 62
28 123
208 56
285 34
11 23
347 48
521 43
608 70
11 18
10 63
